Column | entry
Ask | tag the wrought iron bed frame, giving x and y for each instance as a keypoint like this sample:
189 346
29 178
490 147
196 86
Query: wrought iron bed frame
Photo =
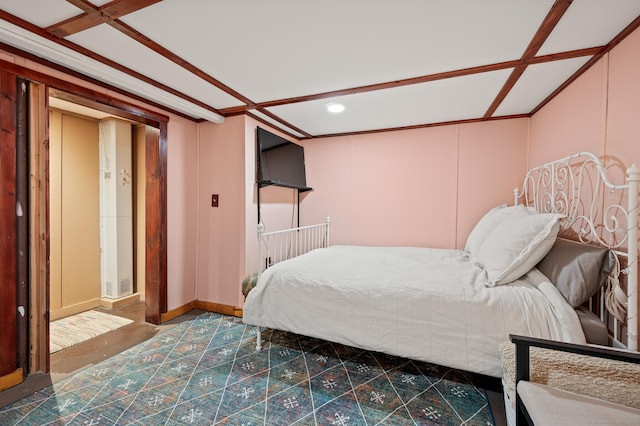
594 214
579 187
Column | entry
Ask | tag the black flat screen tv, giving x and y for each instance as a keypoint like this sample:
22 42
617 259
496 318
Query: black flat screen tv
279 161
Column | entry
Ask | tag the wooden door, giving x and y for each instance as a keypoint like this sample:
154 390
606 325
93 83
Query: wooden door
10 373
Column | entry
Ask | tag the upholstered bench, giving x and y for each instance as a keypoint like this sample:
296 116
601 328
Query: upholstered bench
568 384
547 405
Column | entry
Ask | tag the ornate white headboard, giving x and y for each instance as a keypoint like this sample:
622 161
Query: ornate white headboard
599 212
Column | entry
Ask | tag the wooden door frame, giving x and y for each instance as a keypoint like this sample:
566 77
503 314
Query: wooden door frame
155 198
10 371
22 221
38 228
155 188
156 223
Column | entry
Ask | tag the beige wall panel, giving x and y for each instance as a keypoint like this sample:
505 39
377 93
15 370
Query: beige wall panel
80 211
55 210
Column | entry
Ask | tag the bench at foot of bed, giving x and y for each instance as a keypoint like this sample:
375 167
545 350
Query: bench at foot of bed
593 403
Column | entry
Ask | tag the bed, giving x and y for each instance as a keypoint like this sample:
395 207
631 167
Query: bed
456 307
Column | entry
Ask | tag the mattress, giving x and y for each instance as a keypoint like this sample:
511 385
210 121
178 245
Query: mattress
420 303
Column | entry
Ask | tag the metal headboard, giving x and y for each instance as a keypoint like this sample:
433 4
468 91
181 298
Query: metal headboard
581 188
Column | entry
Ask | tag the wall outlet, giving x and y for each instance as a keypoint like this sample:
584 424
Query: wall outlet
214 200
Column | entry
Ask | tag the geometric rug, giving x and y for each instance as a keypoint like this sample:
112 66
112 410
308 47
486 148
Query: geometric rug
77 328
207 371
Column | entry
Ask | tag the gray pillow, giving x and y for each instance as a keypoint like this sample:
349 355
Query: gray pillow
577 270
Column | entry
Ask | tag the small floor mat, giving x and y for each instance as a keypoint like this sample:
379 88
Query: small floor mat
77 328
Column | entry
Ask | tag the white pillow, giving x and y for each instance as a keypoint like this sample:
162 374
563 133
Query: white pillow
485 225
488 223
516 245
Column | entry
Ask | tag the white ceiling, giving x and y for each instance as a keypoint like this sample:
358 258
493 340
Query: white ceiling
393 64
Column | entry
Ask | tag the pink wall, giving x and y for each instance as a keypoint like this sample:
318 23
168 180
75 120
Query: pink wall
424 187
599 112
623 107
182 183
492 162
571 122
415 187
227 235
278 205
221 247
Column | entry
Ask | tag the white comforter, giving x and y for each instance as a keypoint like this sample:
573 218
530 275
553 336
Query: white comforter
420 303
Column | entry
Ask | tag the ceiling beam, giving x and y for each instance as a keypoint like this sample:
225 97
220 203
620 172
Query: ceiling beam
556 13
125 109
90 54
393 84
94 16
416 80
109 14
281 129
613 43
419 126
283 122
162 51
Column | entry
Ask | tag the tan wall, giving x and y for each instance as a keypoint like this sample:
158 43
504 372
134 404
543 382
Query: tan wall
74 220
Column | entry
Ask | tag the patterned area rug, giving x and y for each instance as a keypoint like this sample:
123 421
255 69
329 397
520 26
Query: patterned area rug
77 328
207 371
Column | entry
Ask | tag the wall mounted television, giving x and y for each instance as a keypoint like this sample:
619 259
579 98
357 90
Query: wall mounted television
279 162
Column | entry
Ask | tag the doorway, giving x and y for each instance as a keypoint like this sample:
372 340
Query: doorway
97 211
24 179
150 133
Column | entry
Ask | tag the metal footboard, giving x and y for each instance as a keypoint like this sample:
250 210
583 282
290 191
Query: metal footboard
276 246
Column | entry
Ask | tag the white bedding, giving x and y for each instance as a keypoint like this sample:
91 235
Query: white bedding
420 303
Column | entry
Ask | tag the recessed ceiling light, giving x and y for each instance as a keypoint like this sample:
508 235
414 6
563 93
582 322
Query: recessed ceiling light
335 108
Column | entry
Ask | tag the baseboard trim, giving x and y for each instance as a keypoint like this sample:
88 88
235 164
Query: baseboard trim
169 315
117 303
73 309
218 308
10 380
